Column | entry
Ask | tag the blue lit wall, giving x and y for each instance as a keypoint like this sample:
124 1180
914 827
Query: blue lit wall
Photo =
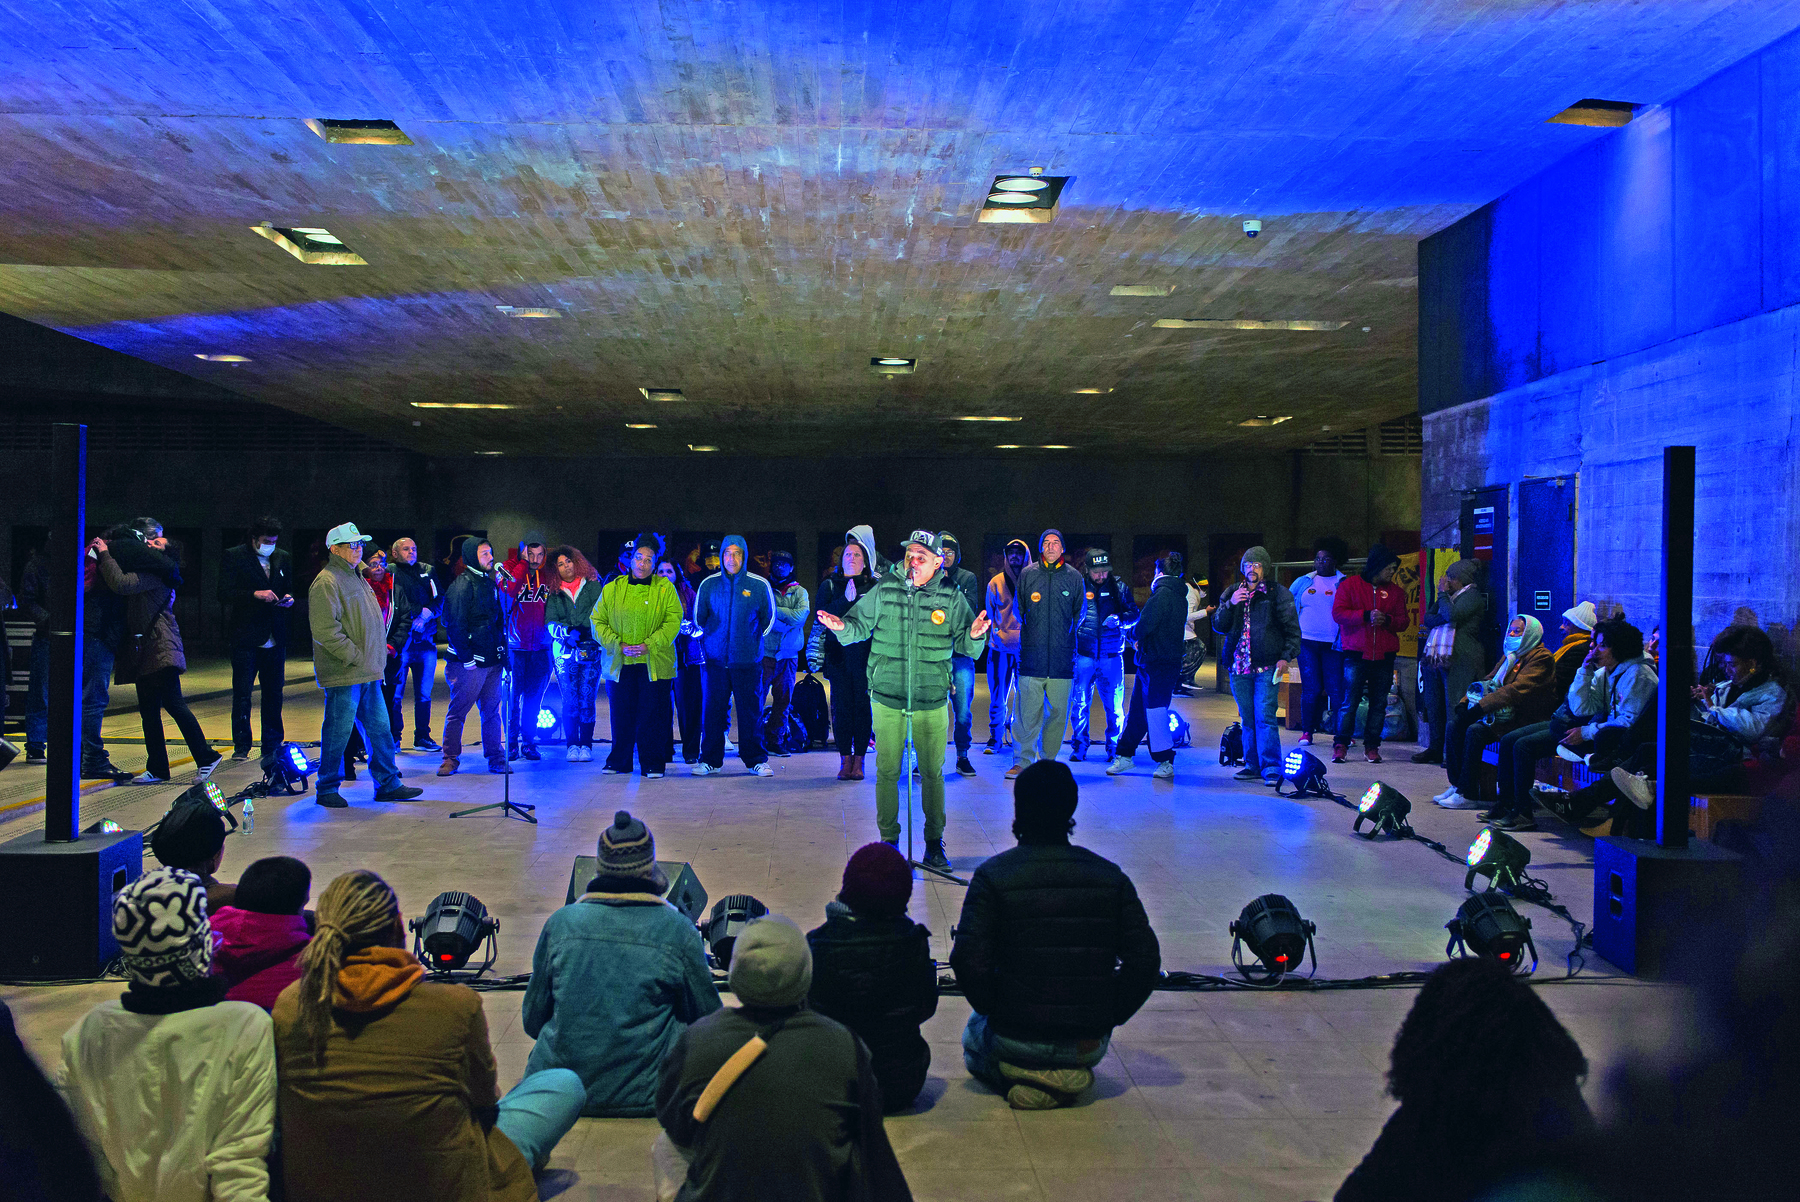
1642 292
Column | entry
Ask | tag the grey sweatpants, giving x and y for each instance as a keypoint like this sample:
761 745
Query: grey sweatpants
1043 713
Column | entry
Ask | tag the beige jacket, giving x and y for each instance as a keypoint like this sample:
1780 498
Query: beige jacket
349 636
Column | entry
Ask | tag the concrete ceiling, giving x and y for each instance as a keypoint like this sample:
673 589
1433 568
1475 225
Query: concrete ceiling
747 200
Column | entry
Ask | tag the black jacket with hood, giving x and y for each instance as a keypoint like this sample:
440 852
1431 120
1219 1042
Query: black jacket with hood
824 653
875 974
963 580
419 584
474 612
1274 622
1162 626
1051 603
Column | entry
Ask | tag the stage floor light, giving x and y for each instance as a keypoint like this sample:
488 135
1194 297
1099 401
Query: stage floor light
1498 857
1487 925
1271 927
1386 808
454 926
1305 773
288 770
729 918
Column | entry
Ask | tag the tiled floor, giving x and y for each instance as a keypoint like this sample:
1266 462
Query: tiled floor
1204 1095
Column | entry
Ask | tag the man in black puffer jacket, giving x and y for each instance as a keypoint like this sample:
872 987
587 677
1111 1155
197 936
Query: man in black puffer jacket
475 626
873 971
1053 951
1051 602
1161 630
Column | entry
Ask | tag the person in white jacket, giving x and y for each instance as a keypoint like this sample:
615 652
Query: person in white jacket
172 1086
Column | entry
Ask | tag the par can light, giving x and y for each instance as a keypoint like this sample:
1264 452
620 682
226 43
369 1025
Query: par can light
289 769
1271 927
1497 856
1487 925
454 926
1305 774
729 918
1386 808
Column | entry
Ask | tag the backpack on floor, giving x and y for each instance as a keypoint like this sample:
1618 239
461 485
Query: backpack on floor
813 710
1231 744
793 734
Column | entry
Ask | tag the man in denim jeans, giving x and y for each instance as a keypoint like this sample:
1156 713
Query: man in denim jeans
1262 636
962 667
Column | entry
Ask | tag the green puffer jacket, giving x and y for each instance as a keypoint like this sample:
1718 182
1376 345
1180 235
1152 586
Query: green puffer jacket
628 614
933 621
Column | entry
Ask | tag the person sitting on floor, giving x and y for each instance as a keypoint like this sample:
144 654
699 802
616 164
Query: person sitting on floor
1487 1080
797 1119
172 1085
264 930
388 1084
1518 692
873 971
192 838
1052 950
616 977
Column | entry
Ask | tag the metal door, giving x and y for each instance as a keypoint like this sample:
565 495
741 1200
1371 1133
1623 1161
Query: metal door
1484 538
1546 567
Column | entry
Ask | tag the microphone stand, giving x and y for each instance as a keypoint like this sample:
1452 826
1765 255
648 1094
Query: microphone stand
506 805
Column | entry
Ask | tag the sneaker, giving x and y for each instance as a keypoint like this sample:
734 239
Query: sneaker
447 768
1273 782
991 749
1029 1097
1514 822
1556 801
1078 757
1372 754
1487 816
110 772
1305 740
149 778
964 767
1446 793
331 801
500 768
1338 751
1063 1082
587 754
206 770
532 753
653 776
1570 754
399 793
240 754
778 752
1636 787
425 743
935 857
1012 773
1165 770
703 769
1119 765
763 769
608 770
512 753
730 747
572 755
1427 757
1246 774
1456 801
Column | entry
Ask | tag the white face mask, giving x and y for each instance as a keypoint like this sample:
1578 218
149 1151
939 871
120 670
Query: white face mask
263 551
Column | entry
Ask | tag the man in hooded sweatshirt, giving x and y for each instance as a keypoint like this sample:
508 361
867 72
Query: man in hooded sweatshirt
962 667
475 623
734 609
1051 601
528 641
781 647
1100 653
1003 648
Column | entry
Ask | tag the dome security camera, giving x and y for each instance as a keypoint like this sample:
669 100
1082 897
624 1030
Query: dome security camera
1252 228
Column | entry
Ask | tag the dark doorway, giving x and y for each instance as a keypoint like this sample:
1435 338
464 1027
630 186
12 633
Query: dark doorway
1546 581
1485 525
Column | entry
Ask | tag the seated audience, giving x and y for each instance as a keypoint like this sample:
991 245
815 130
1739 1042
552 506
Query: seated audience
873 971
1518 692
192 838
173 1086
1487 1080
616 978
264 930
42 1155
1577 631
797 1119
1052 950
388 1085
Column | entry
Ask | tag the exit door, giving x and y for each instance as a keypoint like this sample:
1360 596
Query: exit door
1484 538
1546 578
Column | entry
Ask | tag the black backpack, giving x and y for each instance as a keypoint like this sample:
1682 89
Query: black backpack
812 709
1231 744
793 734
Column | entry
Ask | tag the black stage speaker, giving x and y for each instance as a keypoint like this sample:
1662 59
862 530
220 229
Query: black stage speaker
60 896
684 892
1663 913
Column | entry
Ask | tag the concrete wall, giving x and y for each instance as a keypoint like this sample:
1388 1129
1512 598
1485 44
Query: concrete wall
1641 293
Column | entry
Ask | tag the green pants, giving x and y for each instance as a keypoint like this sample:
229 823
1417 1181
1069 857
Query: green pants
931 729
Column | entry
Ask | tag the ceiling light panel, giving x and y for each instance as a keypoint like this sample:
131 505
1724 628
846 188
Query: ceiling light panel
893 365
1239 323
1022 199
1263 419
515 311
312 245
995 418
662 394
695 446
640 425
224 358
1606 113
1142 289
358 132
457 405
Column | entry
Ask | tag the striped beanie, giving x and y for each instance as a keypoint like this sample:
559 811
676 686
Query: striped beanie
627 848
163 932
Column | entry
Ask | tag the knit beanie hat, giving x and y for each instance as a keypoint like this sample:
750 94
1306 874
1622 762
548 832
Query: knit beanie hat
1463 571
188 836
1046 534
771 964
627 848
1583 615
163 932
877 881
1379 558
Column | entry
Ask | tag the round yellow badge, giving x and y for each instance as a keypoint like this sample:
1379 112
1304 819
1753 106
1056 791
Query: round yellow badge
1090 596
1037 596
937 617
746 592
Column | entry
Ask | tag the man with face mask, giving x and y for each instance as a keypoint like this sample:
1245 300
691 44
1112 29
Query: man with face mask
475 623
1051 602
256 587
1003 647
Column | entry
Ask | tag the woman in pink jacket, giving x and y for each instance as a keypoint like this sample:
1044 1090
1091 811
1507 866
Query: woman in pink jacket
1371 612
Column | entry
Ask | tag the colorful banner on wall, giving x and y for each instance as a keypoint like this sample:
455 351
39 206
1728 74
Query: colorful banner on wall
1407 577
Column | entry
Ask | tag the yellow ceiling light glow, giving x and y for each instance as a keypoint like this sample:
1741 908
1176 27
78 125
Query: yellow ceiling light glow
662 394
640 425
1240 323
694 446
1263 419
456 405
224 358
1142 289
893 365
312 245
1090 391
995 418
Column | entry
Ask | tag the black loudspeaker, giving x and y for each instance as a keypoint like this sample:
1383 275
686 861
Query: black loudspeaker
1664 913
60 896
684 891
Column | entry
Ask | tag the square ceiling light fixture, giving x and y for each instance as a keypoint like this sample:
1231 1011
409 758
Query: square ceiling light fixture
1142 289
662 394
1241 323
360 133
1608 113
1022 199
310 244
515 311
1263 419
890 365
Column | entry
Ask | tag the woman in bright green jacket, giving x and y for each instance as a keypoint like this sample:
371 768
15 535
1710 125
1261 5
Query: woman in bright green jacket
636 620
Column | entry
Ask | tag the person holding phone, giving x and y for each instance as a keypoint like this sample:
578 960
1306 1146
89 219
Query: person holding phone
256 587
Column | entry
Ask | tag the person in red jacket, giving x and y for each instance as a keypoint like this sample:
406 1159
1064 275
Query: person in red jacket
528 637
1371 612
263 931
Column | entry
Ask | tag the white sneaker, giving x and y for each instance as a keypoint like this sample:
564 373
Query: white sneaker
1456 801
609 770
730 747
763 769
1119 764
1445 795
1165 770
703 769
147 778
1636 787
1570 754
572 754
207 771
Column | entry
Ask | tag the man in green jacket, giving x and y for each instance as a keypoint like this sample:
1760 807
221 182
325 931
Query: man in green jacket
349 659
916 621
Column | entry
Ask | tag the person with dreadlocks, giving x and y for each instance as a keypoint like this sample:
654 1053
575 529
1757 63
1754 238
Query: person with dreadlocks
1487 1079
385 1075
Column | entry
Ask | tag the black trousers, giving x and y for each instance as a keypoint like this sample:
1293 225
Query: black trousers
690 694
640 720
851 718
1151 689
1463 741
742 683
160 692
249 666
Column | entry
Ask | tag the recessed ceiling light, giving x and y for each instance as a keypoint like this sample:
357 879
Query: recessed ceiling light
1007 446
700 447
893 362
224 358
1022 199
1011 198
366 133
1266 420
456 405
1142 289
1055 446
662 394
1031 183
311 244
1611 113
1238 323
512 311
893 365
995 418
1090 391
640 425
490 452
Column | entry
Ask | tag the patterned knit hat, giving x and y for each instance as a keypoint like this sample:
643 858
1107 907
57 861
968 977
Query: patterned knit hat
877 881
627 848
163 932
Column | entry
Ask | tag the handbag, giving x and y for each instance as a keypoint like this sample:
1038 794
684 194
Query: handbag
1440 643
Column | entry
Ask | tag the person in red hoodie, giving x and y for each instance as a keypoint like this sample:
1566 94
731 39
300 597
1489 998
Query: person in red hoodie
528 636
1371 612
263 931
